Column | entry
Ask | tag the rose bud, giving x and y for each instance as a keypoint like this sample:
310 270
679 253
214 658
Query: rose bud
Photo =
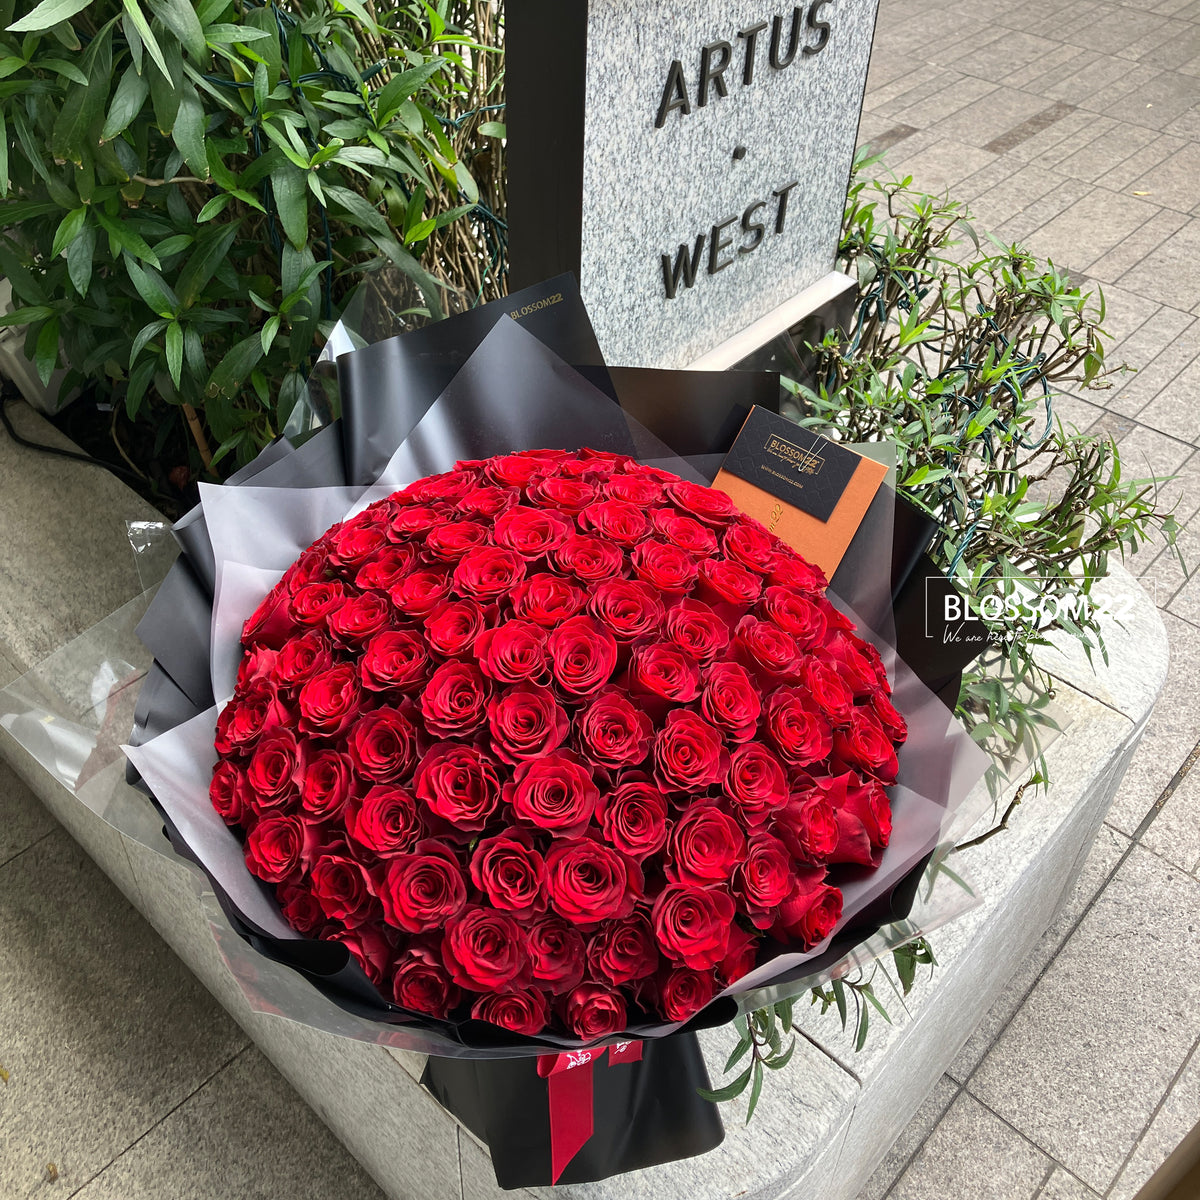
685 532
582 656
257 667
612 733
420 592
794 613
663 669
453 627
277 848
569 495
689 754
588 882
510 873
622 951
383 745
488 573
627 608
300 908
422 984
730 701
354 621
395 659
513 652
484 950
590 559
521 1011
691 924
386 569
633 817
751 545
756 782
454 701
546 600
240 723
664 566
594 1011
531 532
765 648
329 702
729 581
271 624
422 890
275 772
704 503
706 845
683 992
386 821
867 747
343 889
889 718
555 792
448 542
458 783
326 784
801 735
763 879
696 628
811 912
556 954
227 791
615 521
368 947
300 658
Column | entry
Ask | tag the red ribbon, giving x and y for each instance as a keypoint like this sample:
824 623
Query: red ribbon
569 1082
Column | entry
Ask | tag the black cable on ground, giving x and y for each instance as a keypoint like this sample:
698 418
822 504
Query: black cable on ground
57 451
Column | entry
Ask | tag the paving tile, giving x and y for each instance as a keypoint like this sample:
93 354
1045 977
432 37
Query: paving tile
1062 1185
1115 143
1182 49
985 58
1100 863
1116 37
1075 413
1140 161
1123 991
1185 603
1002 190
1091 227
1174 834
1095 76
1168 333
1176 410
971 1152
105 1031
914 1133
1125 312
1034 216
245 1133
1036 76
1173 729
996 112
23 818
1130 251
1038 123
1173 182
1171 1124
961 97
1161 101
940 165
1085 130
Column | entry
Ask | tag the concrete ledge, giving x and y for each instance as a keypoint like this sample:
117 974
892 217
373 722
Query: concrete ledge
828 1119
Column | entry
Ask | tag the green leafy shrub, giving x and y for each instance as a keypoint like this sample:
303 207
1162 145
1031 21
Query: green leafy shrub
195 185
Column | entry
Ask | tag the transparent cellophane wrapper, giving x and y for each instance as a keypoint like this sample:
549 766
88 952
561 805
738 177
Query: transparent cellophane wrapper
507 392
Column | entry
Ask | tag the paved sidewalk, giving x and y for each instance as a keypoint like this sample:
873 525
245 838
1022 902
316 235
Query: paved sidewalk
1074 127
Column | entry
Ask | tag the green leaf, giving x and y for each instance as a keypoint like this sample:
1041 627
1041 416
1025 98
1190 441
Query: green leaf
147 35
173 245
175 351
179 16
67 230
138 382
400 87
152 288
45 355
211 248
227 35
399 257
189 130
235 366
269 330
126 238
47 14
143 338
738 1053
65 69
27 316
213 208
291 201
779 1061
81 254
755 1091
905 959
496 129
126 103
3 156
736 1088
73 136
361 209
864 1020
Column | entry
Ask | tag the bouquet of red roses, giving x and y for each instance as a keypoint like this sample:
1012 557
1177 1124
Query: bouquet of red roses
554 737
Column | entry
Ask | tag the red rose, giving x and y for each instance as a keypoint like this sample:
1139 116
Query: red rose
731 701
589 558
526 722
811 912
385 821
343 889
588 882
369 948
691 924
622 951
706 845
889 718
458 783
864 818
695 627
594 1011
449 485
856 669
227 791
633 816
329 701
808 826
546 600
612 733
521 1011
705 503
487 501
740 954
484 950
764 647
512 652
636 489
386 569
396 658
278 847
689 754
801 735
257 711
751 545
449 541
271 622
410 520
422 985
570 495
825 686
795 614
420 592
683 992
582 656
300 908
756 782
663 669
326 784
514 470
383 745
685 532
359 617
664 566
275 772
616 521
556 954
452 627
531 532
763 880
300 658
257 669
866 746
423 890
488 572
555 792
730 581
509 872
794 572
454 701
313 603
627 608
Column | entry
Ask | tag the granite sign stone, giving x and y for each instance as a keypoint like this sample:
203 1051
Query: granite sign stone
688 160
